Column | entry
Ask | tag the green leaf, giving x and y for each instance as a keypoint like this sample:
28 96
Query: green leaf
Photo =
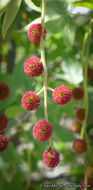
32 5
3 7
72 72
37 2
77 170
3 164
60 132
11 180
10 15
11 155
59 7
1 12
19 75
15 111
65 26
72 1
60 21
88 4
4 4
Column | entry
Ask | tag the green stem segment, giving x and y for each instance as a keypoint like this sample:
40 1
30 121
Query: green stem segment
83 50
40 91
85 68
43 58
44 61
51 89
85 164
29 168
86 46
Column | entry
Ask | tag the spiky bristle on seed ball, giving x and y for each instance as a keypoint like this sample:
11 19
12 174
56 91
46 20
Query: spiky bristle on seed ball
62 95
3 143
33 67
35 31
79 146
3 122
42 130
4 91
30 101
76 126
51 158
78 93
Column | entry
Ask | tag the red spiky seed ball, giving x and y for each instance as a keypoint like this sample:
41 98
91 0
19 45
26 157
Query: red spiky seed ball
90 171
76 126
62 95
30 101
3 143
3 122
51 158
80 114
33 67
35 31
79 146
89 184
90 73
77 93
4 91
42 130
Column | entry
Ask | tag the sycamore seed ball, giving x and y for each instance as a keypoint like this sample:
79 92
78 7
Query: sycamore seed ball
62 95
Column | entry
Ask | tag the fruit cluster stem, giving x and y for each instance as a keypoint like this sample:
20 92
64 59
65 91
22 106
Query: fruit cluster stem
86 46
40 91
29 167
51 89
44 61
43 58
85 68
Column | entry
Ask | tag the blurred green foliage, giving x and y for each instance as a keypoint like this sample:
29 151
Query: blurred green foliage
63 47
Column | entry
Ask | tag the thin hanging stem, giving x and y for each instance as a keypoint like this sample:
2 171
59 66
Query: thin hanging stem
86 45
43 58
29 167
85 68
83 50
44 61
